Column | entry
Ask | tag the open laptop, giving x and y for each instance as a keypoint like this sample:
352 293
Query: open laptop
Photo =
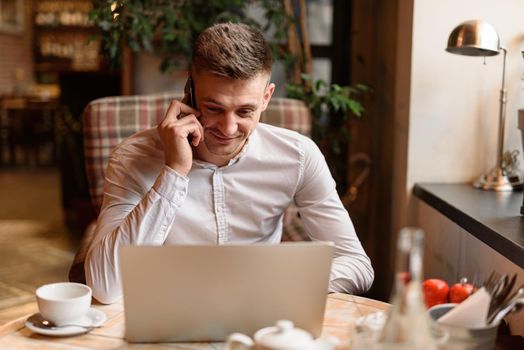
204 293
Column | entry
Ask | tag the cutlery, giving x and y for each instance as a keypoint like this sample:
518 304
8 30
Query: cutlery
500 294
513 306
510 285
507 306
490 282
38 321
494 287
513 295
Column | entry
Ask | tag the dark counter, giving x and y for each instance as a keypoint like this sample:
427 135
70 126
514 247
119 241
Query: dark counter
492 217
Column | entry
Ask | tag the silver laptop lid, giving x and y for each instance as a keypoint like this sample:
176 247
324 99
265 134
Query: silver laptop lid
204 293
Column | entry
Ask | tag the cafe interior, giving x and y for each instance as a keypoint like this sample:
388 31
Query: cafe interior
430 135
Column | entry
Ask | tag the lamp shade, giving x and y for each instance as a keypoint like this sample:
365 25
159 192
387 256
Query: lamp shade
474 38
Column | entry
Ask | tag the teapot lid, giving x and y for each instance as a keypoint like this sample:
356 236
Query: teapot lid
283 336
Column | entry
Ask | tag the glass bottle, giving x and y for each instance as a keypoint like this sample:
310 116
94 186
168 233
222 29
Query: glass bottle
408 325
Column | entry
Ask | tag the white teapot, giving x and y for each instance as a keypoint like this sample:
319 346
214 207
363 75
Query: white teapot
282 336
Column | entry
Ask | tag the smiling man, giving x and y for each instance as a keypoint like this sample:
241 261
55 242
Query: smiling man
212 174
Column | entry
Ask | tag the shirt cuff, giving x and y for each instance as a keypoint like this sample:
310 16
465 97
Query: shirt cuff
171 185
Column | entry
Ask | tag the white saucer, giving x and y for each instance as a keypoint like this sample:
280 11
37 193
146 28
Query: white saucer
93 318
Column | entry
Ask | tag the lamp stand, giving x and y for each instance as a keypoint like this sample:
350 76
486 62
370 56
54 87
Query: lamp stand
502 177
498 180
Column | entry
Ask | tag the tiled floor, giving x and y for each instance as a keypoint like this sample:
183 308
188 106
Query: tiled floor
35 247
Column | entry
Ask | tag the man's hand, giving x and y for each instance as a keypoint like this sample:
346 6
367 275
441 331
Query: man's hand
180 122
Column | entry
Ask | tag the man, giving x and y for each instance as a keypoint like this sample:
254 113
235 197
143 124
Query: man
213 174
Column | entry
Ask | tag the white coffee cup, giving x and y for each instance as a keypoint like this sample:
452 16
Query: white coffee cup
63 303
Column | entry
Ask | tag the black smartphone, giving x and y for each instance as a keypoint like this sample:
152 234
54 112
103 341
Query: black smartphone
189 89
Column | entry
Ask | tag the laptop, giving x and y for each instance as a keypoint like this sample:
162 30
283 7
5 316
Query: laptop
206 292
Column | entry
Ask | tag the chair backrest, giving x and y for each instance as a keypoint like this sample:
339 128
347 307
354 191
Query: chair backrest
109 120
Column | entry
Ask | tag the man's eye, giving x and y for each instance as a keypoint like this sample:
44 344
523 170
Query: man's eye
245 112
213 109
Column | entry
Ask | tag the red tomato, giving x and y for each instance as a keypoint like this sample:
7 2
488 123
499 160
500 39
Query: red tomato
435 292
460 291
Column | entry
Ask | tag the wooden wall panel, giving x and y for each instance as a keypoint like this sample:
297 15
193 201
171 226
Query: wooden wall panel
374 49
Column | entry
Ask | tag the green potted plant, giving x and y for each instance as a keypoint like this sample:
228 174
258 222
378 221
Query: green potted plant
169 27
332 107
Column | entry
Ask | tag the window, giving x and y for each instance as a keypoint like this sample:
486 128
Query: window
329 26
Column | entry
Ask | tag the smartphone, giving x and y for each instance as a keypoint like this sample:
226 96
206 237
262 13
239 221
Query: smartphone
190 100
189 89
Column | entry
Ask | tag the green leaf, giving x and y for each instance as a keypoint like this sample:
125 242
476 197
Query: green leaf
305 77
335 104
356 108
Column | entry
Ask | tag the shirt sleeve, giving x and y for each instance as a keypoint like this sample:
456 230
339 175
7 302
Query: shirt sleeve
132 214
326 219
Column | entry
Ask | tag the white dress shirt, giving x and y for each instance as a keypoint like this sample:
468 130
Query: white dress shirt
148 203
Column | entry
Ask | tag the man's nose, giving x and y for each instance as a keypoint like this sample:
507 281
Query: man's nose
228 124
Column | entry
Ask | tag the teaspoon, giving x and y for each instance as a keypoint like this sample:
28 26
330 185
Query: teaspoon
38 321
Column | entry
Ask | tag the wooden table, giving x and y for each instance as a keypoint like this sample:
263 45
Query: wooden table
341 312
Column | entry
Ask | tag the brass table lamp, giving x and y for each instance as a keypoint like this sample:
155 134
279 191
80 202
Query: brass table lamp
479 38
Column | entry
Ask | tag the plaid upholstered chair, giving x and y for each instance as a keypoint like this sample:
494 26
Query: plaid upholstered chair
108 121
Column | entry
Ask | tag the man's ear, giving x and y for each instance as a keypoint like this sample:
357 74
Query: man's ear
267 95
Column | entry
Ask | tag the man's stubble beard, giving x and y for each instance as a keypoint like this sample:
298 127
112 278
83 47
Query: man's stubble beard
222 151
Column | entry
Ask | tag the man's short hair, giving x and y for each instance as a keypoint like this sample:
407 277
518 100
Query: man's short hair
232 50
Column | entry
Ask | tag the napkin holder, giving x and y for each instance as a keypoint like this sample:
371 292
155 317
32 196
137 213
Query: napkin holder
465 323
462 338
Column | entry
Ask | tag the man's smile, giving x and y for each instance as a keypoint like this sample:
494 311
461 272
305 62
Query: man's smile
222 139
